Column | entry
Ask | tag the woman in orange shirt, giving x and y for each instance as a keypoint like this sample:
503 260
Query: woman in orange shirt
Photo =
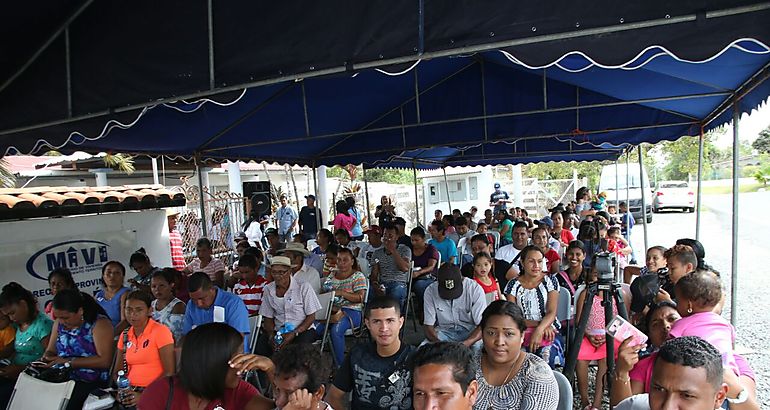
146 349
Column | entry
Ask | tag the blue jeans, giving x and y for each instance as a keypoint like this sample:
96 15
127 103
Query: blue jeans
419 286
337 332
397 290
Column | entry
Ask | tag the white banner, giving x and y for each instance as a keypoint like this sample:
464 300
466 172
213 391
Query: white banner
29 262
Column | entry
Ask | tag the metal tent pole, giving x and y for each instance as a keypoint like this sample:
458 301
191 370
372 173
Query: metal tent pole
734 255
644 199
446 184
617 188
317 202
700 180
416 197
201 198
628 199
366 196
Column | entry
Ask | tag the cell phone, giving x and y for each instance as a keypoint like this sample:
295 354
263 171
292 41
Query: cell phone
38 363
620 329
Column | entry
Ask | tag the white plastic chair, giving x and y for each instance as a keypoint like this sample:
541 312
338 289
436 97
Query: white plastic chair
564 312
566 398
325 314
255 324
30 392
461 250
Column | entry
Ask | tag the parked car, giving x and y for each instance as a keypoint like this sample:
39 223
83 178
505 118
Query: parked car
673 194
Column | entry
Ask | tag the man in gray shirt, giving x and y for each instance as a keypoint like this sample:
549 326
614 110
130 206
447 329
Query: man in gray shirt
391 267
453 307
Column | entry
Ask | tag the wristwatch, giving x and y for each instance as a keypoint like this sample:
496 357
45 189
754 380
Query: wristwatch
742 397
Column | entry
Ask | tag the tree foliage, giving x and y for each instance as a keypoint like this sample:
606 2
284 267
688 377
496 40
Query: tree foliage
762 143
389 175
682 157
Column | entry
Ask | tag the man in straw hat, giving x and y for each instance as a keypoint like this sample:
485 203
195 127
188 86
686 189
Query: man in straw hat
288 308
301 271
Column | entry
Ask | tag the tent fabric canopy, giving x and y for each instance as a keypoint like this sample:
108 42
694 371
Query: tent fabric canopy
581 81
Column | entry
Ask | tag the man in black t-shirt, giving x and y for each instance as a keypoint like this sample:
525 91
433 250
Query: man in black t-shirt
379 374
499 199
308 224
502 269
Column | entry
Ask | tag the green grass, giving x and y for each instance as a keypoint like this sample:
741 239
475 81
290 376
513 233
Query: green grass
709 190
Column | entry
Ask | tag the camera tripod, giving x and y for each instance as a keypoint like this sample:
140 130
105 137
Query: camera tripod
611 291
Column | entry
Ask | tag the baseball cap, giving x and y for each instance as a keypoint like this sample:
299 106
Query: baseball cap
545 221
497 185
373 229
311 196
450 282
643 289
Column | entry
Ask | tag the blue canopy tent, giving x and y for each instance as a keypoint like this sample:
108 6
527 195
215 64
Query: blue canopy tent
475 83
488 107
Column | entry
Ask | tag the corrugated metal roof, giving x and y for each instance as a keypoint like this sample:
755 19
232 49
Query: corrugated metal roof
20 203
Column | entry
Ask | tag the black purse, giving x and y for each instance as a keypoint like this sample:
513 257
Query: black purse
57 374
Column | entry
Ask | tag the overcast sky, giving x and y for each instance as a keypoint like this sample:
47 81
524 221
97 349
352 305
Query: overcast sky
750 126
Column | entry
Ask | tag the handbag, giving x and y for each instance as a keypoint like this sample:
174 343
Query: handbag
56 374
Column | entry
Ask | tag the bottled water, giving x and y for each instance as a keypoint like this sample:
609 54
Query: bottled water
286 328
124 385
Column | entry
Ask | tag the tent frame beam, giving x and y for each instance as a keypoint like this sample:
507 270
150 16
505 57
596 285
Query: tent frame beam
579 33
476 118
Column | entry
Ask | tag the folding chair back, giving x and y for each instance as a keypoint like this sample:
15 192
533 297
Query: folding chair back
566 398
255 324
30 392
564 309
409 301
325 314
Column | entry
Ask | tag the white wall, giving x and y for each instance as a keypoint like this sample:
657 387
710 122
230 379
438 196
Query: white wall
25 246
462 200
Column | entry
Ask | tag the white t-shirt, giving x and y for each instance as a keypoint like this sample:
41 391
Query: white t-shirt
507 253
637 402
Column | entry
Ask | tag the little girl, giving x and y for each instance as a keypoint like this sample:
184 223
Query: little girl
655 259
697 294
330 260
482 274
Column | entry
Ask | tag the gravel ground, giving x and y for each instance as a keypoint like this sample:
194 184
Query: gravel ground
753 309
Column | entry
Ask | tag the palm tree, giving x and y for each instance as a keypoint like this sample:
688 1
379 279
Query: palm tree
7 179
122 162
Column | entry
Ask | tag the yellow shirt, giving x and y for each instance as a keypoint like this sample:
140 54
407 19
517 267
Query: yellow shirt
6 336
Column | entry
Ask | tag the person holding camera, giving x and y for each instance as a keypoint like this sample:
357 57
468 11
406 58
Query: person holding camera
592 346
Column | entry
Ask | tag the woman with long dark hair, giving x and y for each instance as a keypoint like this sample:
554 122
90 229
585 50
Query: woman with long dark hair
82 339
167 309
33 329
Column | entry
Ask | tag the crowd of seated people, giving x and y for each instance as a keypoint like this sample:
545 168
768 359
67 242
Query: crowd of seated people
490 335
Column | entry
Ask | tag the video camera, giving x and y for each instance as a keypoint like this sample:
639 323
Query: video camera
645 288
606 262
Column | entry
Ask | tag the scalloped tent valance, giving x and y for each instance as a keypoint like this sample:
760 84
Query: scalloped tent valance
386 84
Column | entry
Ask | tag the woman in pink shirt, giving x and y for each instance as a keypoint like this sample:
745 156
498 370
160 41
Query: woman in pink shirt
343 220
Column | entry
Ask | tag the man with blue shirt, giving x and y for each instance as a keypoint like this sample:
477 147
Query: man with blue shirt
210 304
445 246
287 220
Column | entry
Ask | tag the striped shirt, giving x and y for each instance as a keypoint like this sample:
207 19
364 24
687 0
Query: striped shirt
214 266
389 271
251 295
177 252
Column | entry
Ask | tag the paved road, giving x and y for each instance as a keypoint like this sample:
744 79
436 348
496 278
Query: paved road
753 318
